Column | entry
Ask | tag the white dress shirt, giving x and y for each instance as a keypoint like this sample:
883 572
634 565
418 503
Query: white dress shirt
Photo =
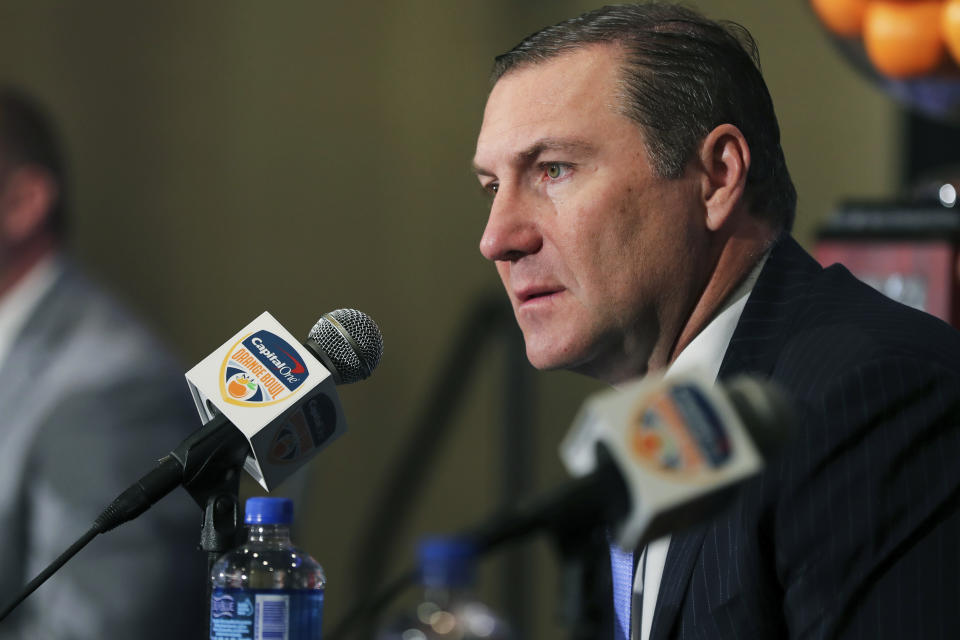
18 303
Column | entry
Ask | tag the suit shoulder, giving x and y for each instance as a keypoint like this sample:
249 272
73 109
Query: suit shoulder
844 323
85 326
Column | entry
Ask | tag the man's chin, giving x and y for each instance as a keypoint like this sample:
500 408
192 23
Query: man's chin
551 358
585 362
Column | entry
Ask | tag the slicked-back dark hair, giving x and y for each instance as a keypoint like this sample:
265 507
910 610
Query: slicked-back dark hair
28 137
683 75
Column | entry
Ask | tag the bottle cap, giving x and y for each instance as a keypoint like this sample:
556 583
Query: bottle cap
269 511
446 562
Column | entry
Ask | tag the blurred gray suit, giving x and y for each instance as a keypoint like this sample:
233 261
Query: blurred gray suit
88 402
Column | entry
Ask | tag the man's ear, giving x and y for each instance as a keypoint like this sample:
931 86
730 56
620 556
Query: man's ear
26 197
725 161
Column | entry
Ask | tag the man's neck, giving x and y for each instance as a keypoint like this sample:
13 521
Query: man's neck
740 254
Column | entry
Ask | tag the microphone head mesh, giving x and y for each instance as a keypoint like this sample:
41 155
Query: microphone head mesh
352 341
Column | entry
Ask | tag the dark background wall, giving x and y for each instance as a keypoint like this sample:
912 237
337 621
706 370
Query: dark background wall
231 157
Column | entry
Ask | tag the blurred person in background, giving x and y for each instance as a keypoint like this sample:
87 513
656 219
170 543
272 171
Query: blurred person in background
639 220
88 401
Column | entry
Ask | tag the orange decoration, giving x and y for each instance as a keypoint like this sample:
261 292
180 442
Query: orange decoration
238 387
951 28
843 17
904 37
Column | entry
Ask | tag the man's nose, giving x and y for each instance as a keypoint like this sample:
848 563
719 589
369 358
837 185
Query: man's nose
512 231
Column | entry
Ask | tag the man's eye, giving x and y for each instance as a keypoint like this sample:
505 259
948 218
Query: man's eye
555 170
493 187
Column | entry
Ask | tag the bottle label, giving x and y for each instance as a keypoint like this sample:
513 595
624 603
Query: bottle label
261 614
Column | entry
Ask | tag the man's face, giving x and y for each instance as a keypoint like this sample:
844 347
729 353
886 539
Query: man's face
599 256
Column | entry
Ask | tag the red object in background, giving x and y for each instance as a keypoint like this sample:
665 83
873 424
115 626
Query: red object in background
910 253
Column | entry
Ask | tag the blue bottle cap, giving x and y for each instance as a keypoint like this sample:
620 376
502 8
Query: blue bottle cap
446 561
269 511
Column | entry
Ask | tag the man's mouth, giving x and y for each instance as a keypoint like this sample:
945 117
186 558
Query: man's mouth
530 294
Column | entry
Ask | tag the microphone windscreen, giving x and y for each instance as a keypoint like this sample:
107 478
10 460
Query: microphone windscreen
352 342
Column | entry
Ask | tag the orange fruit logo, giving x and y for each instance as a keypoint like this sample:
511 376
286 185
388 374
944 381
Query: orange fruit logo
241 386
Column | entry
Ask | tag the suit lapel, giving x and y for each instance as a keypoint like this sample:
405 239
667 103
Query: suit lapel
753 349
677 570
26 374
768 316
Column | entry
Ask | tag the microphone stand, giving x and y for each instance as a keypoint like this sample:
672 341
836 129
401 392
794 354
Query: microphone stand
517 440
212 469
488 318
575 521
582 580
573 518
221 527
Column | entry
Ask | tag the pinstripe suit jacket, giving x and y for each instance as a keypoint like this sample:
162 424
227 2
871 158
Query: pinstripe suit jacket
853 531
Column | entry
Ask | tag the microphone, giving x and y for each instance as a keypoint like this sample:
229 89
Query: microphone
651 458
266 403
269 395
280 396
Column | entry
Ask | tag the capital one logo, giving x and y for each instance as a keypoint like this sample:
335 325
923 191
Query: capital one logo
259 369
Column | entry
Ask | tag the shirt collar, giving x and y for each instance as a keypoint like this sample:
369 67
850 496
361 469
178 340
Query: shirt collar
704 354
21 300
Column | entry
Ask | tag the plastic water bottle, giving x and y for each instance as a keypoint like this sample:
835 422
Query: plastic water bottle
267 589
448 609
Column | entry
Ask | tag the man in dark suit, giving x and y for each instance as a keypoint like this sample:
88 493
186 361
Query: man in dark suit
88 401
639 220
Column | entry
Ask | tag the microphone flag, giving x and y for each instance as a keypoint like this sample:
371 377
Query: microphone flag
275 392
678 442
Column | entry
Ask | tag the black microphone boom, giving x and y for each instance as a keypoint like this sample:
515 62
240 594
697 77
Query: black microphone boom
603 496
566 511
